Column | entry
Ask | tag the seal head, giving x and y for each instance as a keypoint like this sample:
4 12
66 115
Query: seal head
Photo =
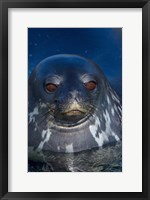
71 106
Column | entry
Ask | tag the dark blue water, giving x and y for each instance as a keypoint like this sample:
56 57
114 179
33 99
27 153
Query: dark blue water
108 159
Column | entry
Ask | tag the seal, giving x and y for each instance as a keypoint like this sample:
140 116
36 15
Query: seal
71 106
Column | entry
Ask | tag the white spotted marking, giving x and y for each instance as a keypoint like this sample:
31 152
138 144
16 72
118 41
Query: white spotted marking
69 148
58 148
103 114
108 101
70 166
115 136
97 122
107 119
108 128
32 115
100 140
105 136
115 107
112 111
42 105
48 134
115 98
93 129
119 109
43 133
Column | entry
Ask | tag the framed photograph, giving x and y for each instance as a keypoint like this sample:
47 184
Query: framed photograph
74 99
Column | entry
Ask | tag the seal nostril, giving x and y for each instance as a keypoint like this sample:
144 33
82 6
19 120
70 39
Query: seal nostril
77 99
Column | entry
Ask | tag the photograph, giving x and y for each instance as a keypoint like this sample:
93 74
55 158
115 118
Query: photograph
75 99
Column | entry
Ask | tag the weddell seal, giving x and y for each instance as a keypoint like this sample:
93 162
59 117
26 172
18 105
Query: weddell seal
71 106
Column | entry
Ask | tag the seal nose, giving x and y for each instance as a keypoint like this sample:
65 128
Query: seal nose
75 106
74 95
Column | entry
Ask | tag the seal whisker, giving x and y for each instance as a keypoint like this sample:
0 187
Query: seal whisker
43 119
42 116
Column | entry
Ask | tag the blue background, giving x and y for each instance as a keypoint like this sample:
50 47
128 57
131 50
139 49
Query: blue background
102 45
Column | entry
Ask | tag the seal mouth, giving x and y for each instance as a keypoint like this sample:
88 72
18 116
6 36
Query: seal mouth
72 118
74 113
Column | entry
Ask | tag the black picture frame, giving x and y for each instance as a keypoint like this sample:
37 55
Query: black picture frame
4 6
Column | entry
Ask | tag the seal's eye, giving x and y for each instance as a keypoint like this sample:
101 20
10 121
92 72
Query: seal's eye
91 85
50 87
